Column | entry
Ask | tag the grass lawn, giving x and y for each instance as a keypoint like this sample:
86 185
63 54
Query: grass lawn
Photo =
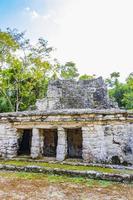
67 167
56 178
37 186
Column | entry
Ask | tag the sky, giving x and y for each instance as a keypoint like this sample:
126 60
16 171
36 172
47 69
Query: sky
95 34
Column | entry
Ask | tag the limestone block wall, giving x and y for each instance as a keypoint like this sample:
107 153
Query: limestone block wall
69 94
108 144
94 144
107 136
8 141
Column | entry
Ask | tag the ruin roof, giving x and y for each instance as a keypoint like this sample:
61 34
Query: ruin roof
71 94
66 112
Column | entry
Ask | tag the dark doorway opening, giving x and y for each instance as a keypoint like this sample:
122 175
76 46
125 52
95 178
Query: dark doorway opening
116 160
50 142
24 142
74 143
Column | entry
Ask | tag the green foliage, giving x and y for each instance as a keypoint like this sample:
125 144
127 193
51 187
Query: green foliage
128 95
4 105
122 93
86 77
23 76
113 80
128 100
7 46
69 71
65 166
117 93
51 178
25 70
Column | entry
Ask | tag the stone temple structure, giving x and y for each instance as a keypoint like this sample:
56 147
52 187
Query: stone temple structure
69 94
75 120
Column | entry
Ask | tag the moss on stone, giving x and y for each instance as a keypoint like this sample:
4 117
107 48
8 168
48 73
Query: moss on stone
67 167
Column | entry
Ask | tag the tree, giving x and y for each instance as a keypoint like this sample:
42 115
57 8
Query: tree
128 100
25 70
128 95
7 46
69 71
122 93
113 80
117 94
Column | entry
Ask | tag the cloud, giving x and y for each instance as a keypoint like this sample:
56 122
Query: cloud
32 13
40 24
27 9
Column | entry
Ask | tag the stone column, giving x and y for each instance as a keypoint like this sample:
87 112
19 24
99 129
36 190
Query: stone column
35 143
42 136
86 151
62 144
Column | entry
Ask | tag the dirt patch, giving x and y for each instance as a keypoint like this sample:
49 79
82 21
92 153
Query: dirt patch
22 188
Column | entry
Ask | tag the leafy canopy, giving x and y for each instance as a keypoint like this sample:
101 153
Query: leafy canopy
25 70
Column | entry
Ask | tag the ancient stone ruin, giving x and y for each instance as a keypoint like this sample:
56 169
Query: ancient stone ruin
75 120
71 94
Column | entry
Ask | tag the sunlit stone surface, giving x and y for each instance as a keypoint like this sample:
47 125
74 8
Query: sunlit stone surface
85 124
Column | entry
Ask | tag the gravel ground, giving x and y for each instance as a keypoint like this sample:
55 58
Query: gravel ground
12 188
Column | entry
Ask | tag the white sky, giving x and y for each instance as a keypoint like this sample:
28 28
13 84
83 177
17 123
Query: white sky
96 34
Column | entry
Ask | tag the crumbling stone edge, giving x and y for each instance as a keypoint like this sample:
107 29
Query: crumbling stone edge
78 163
123 178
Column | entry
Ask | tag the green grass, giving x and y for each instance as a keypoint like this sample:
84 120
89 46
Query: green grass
56 179
66 167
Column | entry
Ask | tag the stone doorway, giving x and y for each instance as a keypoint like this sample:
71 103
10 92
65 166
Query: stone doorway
74 143
24 142
50 142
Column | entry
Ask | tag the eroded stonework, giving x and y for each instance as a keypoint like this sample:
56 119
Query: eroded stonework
93 134
107 135
69 94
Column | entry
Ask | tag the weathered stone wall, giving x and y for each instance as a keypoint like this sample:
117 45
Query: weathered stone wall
8 141
108 143
107 135
66 94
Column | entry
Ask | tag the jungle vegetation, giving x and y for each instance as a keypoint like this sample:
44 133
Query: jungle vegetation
26 69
